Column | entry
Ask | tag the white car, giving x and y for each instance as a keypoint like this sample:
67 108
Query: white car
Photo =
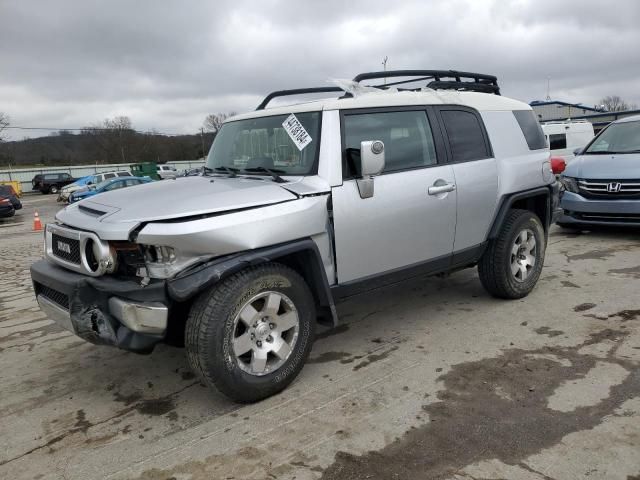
564 138
167 171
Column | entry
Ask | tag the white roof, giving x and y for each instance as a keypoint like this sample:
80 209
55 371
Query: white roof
479 101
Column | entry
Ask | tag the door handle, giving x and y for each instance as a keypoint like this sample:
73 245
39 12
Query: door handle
438 189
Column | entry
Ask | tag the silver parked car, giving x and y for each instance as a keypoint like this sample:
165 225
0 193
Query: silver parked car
602 184
299 207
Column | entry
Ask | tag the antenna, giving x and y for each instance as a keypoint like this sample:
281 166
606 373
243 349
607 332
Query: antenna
384 66
548 88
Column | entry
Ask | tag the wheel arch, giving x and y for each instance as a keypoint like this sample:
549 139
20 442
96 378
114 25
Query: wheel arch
301 255
537 200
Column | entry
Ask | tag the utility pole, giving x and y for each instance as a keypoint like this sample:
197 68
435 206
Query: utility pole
384 66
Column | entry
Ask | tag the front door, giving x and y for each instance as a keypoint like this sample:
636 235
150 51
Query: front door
411 217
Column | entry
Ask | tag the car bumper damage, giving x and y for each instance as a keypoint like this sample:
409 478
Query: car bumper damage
103 311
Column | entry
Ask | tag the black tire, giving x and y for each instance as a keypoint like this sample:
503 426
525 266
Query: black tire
209 332
53 189
494 267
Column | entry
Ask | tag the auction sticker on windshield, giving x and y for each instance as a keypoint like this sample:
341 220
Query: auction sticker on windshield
296 132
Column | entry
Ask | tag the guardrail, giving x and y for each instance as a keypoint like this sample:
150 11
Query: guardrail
25 175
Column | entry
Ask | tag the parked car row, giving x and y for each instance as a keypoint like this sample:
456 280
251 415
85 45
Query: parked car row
107 186
64 184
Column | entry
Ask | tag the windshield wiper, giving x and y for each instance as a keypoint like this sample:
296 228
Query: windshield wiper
232 171
271 171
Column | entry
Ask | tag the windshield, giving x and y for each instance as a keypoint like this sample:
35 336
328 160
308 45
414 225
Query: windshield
617 138
101 185
264 143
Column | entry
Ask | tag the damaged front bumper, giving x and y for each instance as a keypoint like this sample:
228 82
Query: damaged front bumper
103 310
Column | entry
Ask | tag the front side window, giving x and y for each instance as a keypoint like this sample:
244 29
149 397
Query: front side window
466 138
557 141
617 138
406 136
258 143
124 174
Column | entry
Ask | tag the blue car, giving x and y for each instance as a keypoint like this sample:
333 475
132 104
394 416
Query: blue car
107 186
602 184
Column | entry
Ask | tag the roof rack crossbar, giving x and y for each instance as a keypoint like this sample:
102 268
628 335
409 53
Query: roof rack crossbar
296 91
443 79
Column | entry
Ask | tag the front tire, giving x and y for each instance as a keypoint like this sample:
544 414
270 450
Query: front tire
512 263
53 189
249 335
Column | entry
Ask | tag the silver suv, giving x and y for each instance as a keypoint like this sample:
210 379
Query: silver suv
299 207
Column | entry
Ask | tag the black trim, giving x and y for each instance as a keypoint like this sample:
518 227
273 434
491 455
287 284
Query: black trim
192 281
443 79
446 263
508 200
297 91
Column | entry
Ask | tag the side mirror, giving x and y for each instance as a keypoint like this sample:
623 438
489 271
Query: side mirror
577 151
371 164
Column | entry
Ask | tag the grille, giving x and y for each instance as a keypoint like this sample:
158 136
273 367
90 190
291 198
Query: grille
58 244
610 189
55 296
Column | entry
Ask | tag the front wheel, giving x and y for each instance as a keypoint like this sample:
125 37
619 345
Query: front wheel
249 335
512 263
53 189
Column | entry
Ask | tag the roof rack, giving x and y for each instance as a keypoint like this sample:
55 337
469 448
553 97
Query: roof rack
297 91
440 79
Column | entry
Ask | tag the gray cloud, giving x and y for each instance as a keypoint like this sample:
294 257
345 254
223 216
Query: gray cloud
167 64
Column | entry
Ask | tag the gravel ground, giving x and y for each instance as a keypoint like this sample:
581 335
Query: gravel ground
428 379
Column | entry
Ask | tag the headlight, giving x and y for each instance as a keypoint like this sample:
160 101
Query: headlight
570 184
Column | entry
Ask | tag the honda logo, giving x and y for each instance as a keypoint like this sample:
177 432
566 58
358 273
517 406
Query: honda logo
614 187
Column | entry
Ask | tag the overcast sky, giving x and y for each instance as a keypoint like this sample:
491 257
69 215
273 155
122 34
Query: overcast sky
166 64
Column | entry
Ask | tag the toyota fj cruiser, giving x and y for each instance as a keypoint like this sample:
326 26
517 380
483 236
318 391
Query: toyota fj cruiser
298 207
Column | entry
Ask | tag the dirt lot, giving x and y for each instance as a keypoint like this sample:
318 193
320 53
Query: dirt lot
428 379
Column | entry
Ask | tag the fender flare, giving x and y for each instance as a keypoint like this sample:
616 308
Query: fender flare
194 280
507 202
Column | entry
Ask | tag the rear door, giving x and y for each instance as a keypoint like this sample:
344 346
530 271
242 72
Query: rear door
475 171
402 225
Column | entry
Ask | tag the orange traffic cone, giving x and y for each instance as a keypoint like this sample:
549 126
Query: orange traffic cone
37 225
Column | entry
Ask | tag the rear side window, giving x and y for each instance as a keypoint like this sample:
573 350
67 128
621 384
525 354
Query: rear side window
465 134
124 174
109 175
531 129
557 141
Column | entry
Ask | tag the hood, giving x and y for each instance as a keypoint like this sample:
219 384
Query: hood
183 197
605 167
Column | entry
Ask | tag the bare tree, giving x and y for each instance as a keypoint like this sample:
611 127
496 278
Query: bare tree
4 123
214 121
613 103
115 137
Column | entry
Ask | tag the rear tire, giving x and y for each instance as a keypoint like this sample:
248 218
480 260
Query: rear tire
512 263
249 335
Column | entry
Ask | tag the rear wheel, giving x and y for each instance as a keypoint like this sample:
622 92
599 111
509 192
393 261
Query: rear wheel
512 263
250 335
